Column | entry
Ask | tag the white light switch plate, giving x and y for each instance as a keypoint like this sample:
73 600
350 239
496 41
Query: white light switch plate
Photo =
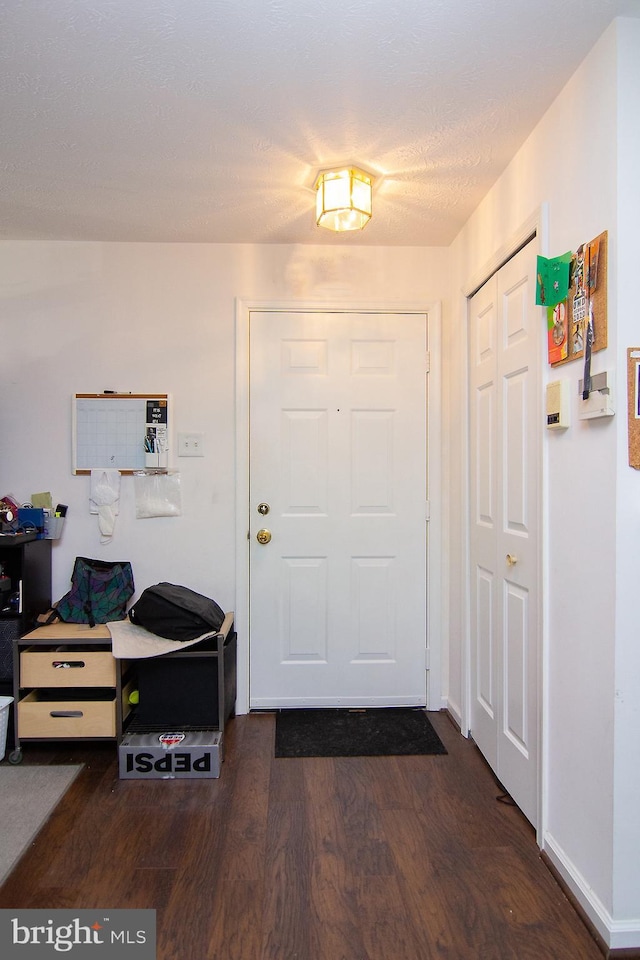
191 444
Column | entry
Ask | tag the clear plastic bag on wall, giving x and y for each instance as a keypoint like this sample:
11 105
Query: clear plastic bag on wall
157 494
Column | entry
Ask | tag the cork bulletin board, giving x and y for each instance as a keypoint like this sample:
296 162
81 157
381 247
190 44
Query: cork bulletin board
633 405
573 313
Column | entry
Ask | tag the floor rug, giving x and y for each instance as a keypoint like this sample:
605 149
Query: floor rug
355 733
28 796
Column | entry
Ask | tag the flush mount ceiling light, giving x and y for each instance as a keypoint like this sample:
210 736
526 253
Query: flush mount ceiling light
343 199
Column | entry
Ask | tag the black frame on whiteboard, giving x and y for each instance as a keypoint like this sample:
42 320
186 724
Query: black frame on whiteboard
112 427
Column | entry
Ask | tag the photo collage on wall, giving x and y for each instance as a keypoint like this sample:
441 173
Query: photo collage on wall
573 289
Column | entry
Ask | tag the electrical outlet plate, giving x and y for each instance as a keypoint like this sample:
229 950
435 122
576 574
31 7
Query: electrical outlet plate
191 444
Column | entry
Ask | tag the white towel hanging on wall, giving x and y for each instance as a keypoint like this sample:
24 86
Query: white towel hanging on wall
104 500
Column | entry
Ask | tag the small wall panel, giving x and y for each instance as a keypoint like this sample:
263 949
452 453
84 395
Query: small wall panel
485 335
515 459
305 610
373 358
305 461
515 665
372 461
484 631
304 357
515 311
485 456
373 628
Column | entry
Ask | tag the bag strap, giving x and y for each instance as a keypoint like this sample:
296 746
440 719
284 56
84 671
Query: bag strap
87 605
44 619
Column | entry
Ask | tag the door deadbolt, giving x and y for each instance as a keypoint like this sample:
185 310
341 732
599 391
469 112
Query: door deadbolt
263 536
263 509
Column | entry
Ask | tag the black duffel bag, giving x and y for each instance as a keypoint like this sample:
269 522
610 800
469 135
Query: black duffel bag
175 612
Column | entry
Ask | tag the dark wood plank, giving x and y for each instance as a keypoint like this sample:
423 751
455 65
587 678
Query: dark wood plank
316 859
367 846
387 927
287 866
237 921
242 848
333 894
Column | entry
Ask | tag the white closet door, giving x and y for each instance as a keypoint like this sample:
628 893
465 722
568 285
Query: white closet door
505 475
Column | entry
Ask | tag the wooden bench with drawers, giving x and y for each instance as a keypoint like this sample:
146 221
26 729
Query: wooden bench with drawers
68 685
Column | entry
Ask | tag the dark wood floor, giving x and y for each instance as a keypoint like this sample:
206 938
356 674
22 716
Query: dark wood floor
393 858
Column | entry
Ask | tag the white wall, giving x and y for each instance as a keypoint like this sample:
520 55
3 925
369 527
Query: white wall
627 680
82 317
570 163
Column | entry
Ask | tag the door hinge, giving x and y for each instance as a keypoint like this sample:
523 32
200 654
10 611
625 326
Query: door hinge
427 510
427 362
427 659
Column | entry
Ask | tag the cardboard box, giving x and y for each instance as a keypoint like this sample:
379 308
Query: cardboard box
173 755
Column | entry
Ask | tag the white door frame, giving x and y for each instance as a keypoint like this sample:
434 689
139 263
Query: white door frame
434 460
537 223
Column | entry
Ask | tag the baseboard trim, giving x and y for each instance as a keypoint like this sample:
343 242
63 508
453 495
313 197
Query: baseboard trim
618 940
360 703
453 711
573 900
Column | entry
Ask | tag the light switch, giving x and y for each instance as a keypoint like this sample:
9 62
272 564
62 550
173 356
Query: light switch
191 444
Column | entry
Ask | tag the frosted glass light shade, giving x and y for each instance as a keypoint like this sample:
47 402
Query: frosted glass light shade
343 199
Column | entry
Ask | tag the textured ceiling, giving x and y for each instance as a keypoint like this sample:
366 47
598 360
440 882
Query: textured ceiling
206 120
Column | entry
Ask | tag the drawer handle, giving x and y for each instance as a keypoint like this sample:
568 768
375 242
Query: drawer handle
66 713
65 664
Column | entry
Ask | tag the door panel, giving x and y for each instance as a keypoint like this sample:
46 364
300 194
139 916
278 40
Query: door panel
504 538
484 641
484 496
304 462
338 451
304 586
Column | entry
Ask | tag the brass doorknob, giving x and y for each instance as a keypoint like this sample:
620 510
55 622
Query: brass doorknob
511 560
263 536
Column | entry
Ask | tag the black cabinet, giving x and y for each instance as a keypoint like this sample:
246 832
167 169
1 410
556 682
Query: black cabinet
193 688
25 590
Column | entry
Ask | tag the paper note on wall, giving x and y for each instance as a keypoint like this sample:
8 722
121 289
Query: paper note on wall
552 279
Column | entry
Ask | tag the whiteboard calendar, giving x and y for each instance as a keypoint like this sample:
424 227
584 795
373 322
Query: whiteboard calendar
124 432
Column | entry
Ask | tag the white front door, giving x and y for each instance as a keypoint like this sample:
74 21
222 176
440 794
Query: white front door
338 416
505 474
